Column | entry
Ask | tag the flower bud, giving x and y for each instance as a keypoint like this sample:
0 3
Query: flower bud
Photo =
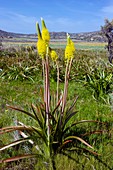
53 55
70 48
45 32
41 44
38 31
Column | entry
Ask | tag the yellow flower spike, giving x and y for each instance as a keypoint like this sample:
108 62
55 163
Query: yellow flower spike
70 48
45 32
41 47
53 55
73 46
41 44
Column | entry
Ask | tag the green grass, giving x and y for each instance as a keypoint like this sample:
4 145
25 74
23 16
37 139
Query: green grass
58 44
23 92
81 45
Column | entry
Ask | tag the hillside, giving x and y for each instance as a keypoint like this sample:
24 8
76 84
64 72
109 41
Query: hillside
95 36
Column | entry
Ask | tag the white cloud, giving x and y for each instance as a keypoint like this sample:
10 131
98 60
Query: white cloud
68 25
61 24
107 12
16 22
22 18
19 17
108 9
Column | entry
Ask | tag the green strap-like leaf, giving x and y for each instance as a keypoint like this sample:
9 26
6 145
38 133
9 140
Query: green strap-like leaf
13 128
40 122
64 144
16 158
83 149
58 127
68 118
59 102
82 121
41 133
13 144
95 132
80 139
70 109
23 111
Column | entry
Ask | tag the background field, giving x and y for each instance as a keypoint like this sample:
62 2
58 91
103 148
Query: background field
20 87
61 44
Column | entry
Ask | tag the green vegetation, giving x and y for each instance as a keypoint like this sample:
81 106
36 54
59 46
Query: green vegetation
90 79
57 44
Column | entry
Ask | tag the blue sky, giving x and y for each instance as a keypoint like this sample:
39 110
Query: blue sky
71 16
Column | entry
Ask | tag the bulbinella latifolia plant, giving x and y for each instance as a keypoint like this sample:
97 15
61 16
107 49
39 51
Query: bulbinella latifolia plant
52 133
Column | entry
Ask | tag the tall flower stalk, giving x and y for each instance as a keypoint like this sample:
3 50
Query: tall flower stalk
41 47
58 76
47 90
69 54
54 58
44 38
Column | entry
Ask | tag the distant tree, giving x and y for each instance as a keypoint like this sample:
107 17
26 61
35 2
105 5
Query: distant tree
107 30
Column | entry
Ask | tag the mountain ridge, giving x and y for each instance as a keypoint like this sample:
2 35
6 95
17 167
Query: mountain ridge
83 36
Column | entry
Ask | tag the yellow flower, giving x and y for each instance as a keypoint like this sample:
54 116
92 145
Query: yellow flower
54 55
41 47
73 46
70 49
41 44
45 32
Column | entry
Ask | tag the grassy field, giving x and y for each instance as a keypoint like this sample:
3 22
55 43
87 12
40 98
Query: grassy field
82 45
91 80
62 44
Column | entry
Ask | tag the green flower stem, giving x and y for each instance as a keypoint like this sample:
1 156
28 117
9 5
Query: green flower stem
58 73
70 64
47 93
44 84
67 74
65 87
